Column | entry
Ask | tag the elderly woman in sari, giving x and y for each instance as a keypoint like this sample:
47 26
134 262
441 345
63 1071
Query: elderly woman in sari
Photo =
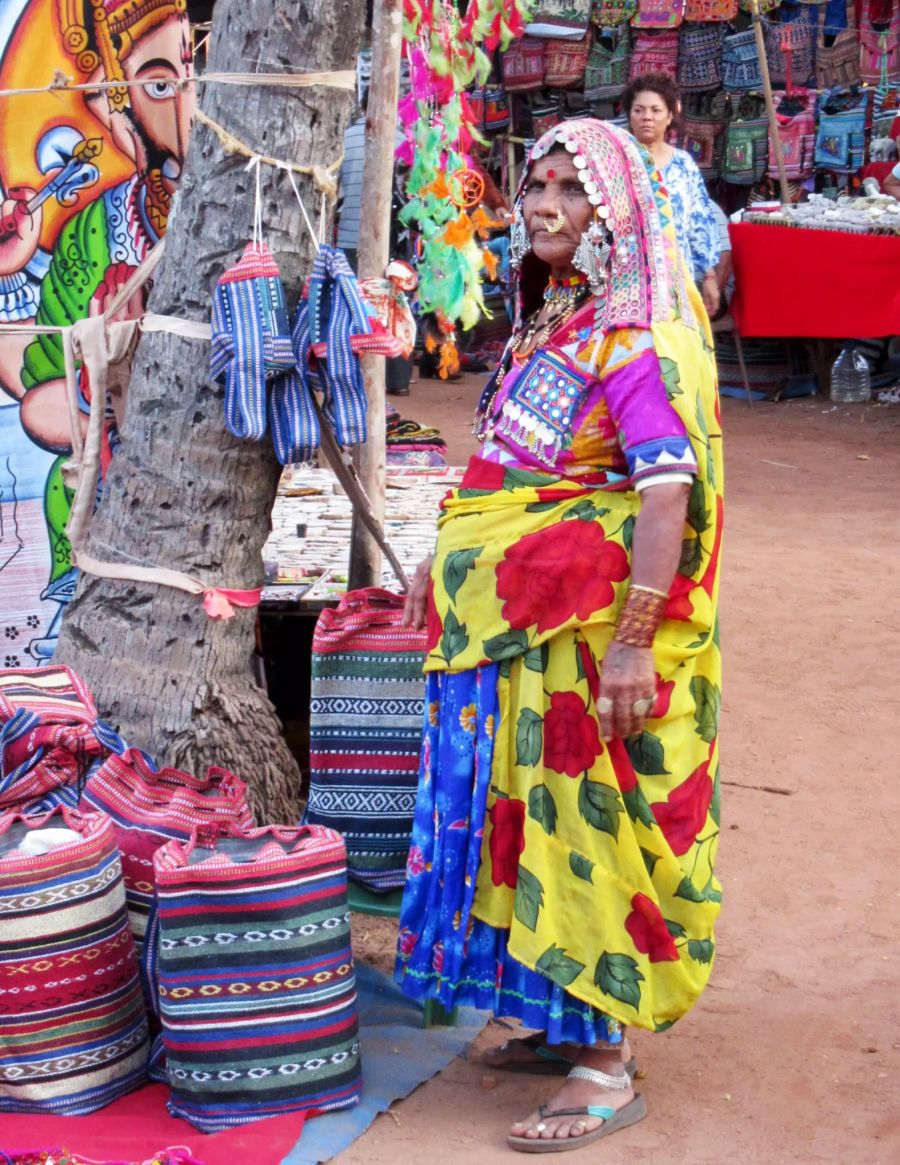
561 868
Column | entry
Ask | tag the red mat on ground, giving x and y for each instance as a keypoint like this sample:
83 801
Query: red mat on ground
790 281
138 1125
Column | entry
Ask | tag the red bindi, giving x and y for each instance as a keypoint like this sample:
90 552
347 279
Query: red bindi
551 173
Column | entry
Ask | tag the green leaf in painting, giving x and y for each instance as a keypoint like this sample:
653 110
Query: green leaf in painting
637 807
618 975
457 564
650 860
581 867
628 531
697 513
542 808
646 754
675 929
711 894
516 477
529 898
600 806
664 1025
691 557
540 507
715 806
505 668
688 891
535 658
454 639
699 641
529 738
707 702
701 949
671 376
558 966
587 511
505 646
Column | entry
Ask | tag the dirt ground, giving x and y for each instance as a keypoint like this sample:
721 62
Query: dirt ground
792 1054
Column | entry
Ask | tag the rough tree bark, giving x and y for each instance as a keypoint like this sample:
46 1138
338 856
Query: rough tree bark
182 493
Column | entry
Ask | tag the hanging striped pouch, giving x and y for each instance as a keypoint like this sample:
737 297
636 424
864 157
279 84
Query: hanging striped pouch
73 1028
257 989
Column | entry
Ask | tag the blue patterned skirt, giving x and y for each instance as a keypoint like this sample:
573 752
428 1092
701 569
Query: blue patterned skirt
444 953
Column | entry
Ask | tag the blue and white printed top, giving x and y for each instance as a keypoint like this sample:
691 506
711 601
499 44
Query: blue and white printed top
695 221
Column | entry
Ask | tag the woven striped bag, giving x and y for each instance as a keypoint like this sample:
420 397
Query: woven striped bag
256 983
73 1028
368 695
700 56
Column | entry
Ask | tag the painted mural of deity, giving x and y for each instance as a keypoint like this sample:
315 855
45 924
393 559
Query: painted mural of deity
86 183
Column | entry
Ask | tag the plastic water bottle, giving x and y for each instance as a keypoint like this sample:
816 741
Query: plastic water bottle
850 378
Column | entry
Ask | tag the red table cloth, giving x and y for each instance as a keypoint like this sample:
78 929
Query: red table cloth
790 281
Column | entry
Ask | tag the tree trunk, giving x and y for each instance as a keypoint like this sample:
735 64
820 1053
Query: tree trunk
182 493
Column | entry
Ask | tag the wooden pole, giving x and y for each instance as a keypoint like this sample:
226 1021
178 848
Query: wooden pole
770 101
373 255
511 170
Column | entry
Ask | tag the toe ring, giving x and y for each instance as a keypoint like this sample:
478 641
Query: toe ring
540 1127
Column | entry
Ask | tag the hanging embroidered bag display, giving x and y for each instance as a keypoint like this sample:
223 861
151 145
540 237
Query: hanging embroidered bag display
700 56
257 990
566 62
703 10
612 13
606 74
76 1038
790 53
838 63
659 14
366 732
740 62
798 137
524 65
879 43
489 108
544 115
654 52
841 131
703 138
746 151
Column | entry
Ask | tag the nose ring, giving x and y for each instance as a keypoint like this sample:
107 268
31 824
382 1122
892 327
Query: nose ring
554 225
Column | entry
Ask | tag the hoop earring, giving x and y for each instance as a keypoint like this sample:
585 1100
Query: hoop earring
592 255
519 239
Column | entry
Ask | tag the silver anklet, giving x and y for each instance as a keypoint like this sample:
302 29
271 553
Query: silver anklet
601 1079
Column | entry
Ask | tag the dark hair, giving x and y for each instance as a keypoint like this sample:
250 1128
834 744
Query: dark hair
659 83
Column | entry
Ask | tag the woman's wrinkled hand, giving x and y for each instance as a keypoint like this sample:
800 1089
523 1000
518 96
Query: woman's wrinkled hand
415 609
712 296
627 690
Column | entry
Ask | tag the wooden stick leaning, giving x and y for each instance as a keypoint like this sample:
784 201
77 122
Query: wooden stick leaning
770 101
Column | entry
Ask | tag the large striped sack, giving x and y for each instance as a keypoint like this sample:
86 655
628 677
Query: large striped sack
148 807
256 986
73 1027
365 731
49 737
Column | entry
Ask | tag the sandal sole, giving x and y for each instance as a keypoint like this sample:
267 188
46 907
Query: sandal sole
633 1112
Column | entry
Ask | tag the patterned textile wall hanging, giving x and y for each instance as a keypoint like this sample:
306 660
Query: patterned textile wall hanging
746 151
798 138
659 14
740 63
701 10
606 74
366 732
257 989
879 42
790 52
77 1038
700 56
609 13
838 63
841 130
524 65
655 52
566 62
